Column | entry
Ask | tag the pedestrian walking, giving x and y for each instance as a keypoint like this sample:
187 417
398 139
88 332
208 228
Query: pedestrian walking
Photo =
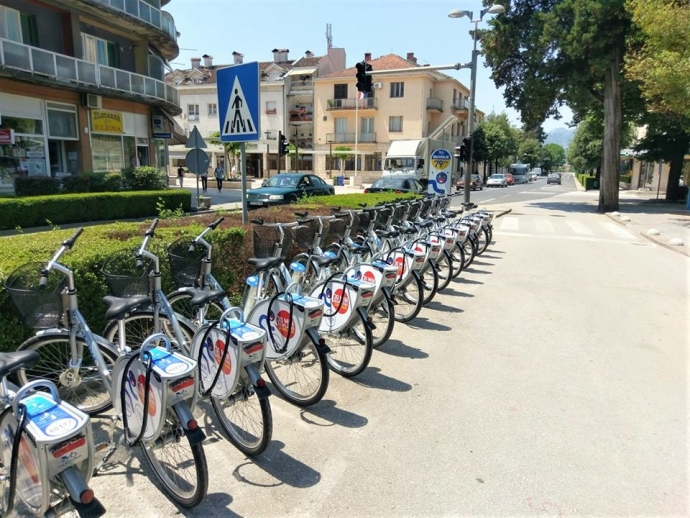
180 176
204 180
233 172
220 176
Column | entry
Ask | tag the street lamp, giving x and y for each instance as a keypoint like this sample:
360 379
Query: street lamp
458 13
330 158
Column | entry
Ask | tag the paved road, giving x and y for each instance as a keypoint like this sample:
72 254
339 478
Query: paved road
549 380
523 192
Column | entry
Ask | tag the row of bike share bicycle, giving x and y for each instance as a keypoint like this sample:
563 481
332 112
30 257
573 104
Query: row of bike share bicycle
164 359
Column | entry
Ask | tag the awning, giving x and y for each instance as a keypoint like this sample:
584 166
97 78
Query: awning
302 70
178 133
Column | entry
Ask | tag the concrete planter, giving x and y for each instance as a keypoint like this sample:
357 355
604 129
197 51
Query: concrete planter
203 202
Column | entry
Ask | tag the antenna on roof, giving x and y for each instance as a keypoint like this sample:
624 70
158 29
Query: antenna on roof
329 36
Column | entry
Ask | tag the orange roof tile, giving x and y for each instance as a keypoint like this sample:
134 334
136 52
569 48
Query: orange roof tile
387 62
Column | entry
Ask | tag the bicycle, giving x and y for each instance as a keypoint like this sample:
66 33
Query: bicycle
47 449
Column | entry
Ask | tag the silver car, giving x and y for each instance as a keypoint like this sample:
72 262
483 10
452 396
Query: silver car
497 180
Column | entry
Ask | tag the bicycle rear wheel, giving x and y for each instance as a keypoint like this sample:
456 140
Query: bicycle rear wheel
139 326
445 270
246 419
302 378
458 255
483 240
383 317
409 299
179 466
85 388
429 284
179 301
351 348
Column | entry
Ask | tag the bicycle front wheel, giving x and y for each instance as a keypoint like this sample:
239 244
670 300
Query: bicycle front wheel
409 299
351 348
429 284
483 240
383 317
179 466
179 301
458 255
302 378
445 270
246 419
139 326
82 387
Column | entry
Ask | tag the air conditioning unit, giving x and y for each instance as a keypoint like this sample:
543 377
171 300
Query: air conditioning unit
92 101
377 85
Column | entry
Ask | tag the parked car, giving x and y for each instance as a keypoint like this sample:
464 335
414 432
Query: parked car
476 182
553 178
393 184
497 180
287 188
510 179
532 176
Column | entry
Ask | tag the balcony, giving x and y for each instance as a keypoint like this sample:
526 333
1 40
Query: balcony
461 105
301 115
165 35
300 88
369 103
42 66
339 138
434 104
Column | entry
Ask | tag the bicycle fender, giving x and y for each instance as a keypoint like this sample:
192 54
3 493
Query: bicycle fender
195 436
363 313
318 342
260 388
389 295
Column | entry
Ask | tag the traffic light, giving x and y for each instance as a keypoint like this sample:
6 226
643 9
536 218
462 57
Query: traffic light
461 153
367 77
361 76
467 142
282 144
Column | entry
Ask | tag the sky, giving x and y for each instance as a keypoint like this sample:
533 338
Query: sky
255 27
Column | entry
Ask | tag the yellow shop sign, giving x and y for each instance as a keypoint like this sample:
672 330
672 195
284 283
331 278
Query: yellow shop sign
105 121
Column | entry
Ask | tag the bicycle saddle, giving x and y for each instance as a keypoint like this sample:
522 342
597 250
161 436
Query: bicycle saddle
265 263
118 307
387 233
323 261
10 362
201 297
354 247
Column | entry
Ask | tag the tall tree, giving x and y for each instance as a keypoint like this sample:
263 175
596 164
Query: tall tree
547 53
530 151
553 157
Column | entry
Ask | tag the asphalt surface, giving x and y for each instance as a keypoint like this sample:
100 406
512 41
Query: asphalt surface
523 192
550 379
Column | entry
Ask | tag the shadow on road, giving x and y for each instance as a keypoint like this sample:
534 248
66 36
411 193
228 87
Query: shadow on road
481 263
425 323
325 413
473 270
438 306
467 281
402 350
213 504
373 378
493 257
279 466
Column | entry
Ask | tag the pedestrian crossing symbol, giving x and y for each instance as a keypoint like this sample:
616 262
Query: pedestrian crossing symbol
238 100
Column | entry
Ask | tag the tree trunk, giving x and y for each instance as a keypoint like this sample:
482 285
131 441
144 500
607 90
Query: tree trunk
613 121
675 170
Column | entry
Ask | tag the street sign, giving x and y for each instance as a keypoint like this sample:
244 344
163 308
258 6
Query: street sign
238 100
440 172
195 139
197 161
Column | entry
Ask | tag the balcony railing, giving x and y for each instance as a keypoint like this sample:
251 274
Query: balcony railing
146 13
434 104
369 103
306 88
350 137
66 69
461 104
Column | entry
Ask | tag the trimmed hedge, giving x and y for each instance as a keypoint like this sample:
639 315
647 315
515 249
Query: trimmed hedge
38 211
588 181
625 178
90 252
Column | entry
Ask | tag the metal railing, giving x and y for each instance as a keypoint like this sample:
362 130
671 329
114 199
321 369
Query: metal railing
302 88
434 104
350 137
350 104
146 13
68 70
461 104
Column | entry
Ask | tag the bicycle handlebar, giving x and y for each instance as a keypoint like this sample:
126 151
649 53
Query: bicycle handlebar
69 243
152 228
217 222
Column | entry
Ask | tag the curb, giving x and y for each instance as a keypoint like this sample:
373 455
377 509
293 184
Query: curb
683 250
503 213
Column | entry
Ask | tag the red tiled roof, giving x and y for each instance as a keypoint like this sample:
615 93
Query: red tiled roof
387 62
307 62
210 72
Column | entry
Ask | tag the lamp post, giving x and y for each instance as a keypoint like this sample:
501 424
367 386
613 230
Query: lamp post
268 153
330 159
457 13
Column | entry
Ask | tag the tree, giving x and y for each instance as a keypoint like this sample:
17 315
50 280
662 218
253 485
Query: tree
547 53
661 60
342 153
529 151
499 139
584 153
553 157
232 149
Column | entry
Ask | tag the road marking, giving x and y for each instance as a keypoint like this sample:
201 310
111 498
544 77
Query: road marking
573 238
579 228
544 225
618 231
490 199
510 223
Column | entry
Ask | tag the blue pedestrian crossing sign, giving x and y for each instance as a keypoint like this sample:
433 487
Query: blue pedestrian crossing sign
238 101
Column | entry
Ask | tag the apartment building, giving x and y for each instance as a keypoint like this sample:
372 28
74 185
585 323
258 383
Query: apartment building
286 105
405 105
81 85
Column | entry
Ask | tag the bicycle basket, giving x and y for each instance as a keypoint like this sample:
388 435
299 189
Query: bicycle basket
336 230
265 239
185 262
305 233
38 307
124 277
361 223
399 213
414 211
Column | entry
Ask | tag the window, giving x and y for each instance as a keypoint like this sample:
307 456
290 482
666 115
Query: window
107 153
395 123
271 108
340 91
398 89
156 67
367 124
62 121
340 125
212 110
97 50
18 26
193 112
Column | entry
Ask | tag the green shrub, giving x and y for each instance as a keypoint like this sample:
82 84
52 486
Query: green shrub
79 208
354 201
144 178
36 185
91 250
625 178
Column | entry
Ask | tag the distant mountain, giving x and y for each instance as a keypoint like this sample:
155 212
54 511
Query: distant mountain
560 136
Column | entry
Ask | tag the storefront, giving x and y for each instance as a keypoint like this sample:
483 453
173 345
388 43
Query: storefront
118 140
